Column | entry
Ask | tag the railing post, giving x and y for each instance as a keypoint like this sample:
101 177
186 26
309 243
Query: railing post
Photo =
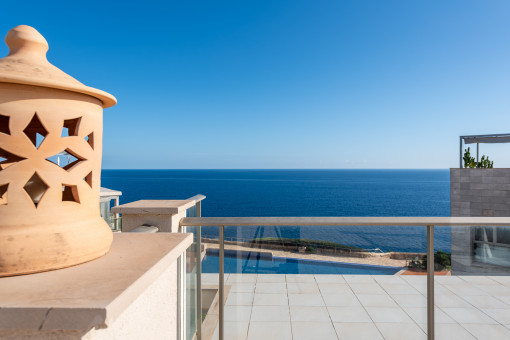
222 282
430 282
198 213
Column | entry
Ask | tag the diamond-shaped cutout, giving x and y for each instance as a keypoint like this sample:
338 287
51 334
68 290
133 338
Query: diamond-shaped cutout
36 131
70 127
3 194
4 125
66 159
90 139
7 159
88 179
36 188
70 193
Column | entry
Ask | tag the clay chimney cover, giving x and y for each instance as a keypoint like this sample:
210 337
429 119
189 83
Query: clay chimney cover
26 64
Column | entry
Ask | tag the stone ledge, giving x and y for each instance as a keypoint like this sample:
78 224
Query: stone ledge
93 294
154 207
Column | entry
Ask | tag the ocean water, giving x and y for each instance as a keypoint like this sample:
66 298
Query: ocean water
304 193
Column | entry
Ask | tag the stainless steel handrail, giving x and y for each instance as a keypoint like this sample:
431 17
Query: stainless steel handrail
344 221
428 222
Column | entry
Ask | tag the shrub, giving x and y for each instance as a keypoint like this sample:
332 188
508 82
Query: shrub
469 162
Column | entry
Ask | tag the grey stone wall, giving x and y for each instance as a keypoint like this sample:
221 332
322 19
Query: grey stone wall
476 192
480 192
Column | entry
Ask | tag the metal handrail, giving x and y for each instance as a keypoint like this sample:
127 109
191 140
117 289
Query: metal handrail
428 222
344 221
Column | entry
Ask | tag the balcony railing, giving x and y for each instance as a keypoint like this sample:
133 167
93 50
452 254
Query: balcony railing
428 222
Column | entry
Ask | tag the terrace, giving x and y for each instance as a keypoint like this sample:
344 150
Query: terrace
304 306
267 306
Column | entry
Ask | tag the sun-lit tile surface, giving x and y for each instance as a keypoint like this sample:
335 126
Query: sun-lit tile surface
363 307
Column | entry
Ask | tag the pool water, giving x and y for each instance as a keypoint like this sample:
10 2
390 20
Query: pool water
265 263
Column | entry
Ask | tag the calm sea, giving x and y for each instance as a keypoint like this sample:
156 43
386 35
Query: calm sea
304 193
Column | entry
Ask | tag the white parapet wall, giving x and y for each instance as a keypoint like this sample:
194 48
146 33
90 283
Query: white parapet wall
163 214
130 293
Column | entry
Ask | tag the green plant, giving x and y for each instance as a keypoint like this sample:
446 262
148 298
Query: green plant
311 250
469 162
301 242
442 260
485 163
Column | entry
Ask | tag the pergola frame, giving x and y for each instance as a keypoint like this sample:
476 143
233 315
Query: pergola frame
478 139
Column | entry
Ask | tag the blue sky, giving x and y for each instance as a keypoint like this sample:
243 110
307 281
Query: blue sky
285 84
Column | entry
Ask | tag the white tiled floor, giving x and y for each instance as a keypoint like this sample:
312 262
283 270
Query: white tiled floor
362 307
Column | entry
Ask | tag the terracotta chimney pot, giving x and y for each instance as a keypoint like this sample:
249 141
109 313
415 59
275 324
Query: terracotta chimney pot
50 162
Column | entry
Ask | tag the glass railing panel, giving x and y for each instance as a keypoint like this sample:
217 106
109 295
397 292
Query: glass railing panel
475 300
281 281
190 306
191 311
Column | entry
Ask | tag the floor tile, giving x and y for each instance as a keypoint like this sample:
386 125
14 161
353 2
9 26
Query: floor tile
212 279
496 290
359 279
450 301
401 331
313 330
341 300
270 313
300 278
484 301
453 279
271 278
242 278
393 279
310 314
329 279
419 315
239 299
348 314
450 331
242 288
504 280
357 331
500 315
410 300
233 331
237 313
376 300
270 300
314 300
398 288
415 280
388 314
488 332
366 288
271 288
302 288
504 299
478 280
334 288
468 315
464 289
269 330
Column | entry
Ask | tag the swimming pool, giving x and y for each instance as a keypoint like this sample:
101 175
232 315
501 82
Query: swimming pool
265 263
